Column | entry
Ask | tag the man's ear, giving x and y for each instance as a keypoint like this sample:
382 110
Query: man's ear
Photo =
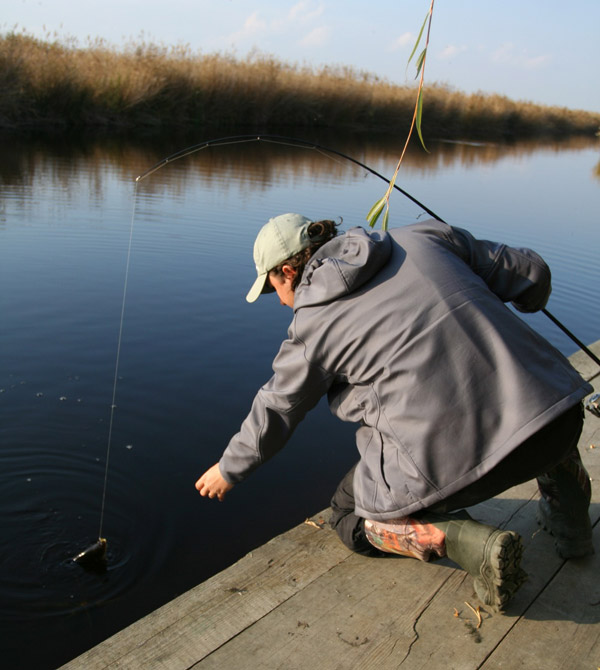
289 272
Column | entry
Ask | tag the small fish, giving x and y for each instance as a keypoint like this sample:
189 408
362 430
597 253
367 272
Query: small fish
94 557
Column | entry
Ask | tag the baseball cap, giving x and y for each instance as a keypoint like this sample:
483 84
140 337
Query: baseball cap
279 239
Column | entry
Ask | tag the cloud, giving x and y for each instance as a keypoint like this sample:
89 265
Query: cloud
293 23
316 37
537 61
402 41
451 51
508 54
302 12
504 53
253 26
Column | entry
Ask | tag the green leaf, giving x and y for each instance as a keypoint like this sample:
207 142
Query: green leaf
386 216
375 211
419 116
418 38
420 61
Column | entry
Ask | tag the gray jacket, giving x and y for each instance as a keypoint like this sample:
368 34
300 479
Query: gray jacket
409 336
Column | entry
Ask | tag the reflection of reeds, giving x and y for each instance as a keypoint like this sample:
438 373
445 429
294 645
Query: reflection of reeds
145 87
254 165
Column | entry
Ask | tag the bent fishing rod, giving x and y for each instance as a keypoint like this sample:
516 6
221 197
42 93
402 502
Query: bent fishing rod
297 142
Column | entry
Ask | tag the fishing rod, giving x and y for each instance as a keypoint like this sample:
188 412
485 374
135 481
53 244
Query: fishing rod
277 139
295 141
566 331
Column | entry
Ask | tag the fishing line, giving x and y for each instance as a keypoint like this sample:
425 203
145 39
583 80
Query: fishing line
94 556
297 142
113 405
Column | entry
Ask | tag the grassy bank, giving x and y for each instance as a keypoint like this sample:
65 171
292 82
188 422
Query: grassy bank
58 86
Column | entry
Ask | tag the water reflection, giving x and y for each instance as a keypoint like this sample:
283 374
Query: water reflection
252 164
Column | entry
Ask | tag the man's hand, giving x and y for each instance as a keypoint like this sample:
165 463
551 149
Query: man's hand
212 484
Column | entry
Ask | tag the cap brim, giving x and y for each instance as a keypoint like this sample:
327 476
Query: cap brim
257 288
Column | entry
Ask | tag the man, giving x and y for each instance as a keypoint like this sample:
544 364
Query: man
456 397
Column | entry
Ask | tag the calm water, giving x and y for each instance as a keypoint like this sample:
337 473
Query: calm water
194 352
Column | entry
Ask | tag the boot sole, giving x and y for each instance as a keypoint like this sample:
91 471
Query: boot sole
501 574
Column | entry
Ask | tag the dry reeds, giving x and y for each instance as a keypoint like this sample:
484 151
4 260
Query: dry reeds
54 85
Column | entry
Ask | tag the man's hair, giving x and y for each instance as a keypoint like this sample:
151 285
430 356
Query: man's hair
319 231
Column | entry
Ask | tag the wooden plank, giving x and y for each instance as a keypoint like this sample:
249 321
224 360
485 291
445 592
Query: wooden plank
586 367
561 629
358 615
194 624
380 613
589 448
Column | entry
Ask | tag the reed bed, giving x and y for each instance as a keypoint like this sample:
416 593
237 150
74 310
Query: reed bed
57 85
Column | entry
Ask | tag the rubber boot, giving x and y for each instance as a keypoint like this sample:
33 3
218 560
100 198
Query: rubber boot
490 555
563 508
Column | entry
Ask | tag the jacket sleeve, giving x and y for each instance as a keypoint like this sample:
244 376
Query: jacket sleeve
515 275
279 406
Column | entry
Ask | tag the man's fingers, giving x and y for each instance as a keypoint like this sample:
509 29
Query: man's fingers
212 485
206 492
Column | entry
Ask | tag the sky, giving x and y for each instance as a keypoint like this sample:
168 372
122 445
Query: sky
543 51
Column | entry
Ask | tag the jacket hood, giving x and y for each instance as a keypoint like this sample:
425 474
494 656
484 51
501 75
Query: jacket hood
342 266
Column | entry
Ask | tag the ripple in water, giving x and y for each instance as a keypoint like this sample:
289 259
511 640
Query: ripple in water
51 513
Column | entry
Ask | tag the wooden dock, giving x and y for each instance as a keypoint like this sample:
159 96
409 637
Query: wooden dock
304 601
